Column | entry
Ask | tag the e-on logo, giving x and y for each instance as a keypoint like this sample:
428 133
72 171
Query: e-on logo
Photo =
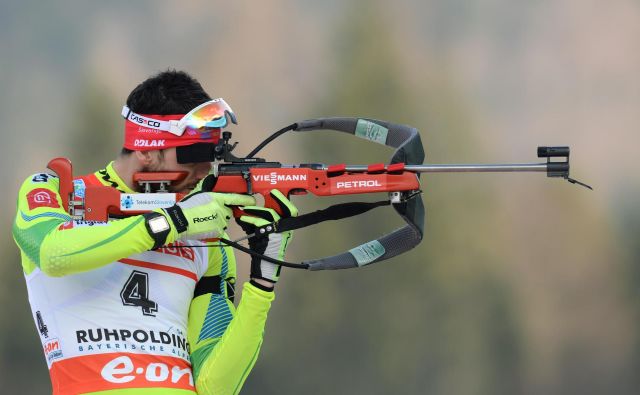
52 350
122 370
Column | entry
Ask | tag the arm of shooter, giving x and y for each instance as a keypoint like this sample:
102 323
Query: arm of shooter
50 240
224 342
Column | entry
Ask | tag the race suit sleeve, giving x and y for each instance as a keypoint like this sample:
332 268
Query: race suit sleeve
225 342
50 240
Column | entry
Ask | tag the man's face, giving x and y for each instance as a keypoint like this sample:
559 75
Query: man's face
167 161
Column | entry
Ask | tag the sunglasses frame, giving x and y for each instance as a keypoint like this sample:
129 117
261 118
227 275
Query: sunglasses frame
178 127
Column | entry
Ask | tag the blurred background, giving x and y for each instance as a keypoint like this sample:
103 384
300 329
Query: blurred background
522 285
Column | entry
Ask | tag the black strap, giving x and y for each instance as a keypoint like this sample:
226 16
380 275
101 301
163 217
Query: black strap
335 212
208 285
231 291
244 249
260 286
177 217
293 126
331 213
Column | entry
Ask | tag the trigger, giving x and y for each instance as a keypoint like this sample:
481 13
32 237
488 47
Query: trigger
237 212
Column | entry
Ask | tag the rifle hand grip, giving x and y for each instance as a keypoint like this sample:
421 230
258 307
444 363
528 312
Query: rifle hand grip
63 169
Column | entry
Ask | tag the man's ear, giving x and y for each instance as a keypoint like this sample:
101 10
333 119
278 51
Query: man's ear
145 158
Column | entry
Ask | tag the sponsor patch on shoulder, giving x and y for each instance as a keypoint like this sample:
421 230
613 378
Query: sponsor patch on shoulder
42 177
41 197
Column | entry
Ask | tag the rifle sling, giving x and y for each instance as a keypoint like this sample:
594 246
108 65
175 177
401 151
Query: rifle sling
331 213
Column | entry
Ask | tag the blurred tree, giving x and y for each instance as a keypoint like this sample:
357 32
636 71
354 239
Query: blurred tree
628 229
90 144
435 321
95 131
23 369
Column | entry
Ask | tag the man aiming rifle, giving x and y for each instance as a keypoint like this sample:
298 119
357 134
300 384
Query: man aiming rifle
125 306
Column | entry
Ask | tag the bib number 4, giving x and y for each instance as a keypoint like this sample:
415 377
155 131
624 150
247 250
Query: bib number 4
136 293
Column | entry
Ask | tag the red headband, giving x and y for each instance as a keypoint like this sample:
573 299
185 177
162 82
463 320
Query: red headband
139 136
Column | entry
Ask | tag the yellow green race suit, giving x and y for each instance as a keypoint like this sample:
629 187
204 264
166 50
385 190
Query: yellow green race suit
115 318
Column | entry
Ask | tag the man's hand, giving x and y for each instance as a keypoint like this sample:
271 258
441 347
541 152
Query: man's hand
274 245
202 214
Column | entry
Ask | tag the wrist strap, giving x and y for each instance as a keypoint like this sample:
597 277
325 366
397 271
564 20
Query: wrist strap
260 286
177 217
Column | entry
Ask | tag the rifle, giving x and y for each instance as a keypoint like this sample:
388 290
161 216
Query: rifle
399 178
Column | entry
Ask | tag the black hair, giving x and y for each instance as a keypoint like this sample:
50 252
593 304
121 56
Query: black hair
166 93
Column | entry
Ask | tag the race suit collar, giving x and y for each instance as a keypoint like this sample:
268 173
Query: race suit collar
110 177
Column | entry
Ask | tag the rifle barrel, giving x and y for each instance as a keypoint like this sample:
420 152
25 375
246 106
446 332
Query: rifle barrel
465 168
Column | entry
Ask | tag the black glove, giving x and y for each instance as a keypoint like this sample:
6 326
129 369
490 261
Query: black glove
273 245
